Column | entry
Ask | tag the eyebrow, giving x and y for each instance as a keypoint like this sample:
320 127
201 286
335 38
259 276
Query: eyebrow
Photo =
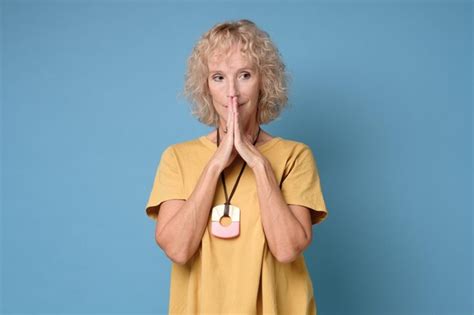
240 69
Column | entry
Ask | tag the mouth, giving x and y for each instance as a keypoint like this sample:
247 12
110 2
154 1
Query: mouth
238 105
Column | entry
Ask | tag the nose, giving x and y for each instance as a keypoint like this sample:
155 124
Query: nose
232 89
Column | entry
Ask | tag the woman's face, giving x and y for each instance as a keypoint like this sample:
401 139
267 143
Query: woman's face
234 75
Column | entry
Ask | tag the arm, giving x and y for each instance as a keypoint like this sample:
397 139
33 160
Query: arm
181 235
287 227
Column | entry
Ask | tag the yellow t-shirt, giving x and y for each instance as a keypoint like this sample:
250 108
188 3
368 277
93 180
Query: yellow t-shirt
240 275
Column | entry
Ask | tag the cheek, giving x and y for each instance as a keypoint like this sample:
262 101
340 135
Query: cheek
254 90
217 94
212 90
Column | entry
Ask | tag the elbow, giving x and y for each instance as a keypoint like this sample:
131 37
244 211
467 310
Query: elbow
287 259
178 256
290 256
178 259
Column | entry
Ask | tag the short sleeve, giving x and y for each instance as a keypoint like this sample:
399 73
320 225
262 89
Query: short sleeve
301 184
168 183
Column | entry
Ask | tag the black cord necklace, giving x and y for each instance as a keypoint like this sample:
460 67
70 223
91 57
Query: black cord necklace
227 209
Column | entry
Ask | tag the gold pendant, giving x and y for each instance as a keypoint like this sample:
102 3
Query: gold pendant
230 231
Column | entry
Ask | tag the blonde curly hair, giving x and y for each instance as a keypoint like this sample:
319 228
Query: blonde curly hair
258 47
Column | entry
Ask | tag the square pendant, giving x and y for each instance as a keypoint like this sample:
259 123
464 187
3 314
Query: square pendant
230 231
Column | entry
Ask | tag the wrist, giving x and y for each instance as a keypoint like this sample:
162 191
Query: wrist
215 166
259 164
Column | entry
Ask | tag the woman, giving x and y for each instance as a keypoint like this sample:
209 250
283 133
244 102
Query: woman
235 208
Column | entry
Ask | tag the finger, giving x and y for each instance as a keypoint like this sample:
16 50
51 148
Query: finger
229 118
237 117
234 104
229 115
232 116
229 108
236 125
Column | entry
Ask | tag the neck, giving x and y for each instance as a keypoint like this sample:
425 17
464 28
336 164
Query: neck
251 130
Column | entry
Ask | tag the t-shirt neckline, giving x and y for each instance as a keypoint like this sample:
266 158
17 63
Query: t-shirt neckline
208 143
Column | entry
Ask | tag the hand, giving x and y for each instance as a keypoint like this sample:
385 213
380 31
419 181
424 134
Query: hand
226 151
244 143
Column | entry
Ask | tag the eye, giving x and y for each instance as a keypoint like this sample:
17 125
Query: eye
246 75
218 78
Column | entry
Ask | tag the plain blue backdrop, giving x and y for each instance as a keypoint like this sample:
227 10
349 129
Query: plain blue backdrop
382 93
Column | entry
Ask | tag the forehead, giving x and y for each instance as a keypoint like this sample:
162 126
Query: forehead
229 58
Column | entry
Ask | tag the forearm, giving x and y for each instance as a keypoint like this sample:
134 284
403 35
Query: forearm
284 233
183 233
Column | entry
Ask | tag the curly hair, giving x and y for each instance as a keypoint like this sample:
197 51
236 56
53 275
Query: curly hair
257 46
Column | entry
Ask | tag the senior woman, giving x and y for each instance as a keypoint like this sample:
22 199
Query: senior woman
234 209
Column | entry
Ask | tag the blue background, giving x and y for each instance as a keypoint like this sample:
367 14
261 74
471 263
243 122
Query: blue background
382 93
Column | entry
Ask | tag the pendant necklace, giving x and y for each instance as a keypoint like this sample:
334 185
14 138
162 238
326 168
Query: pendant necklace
227 209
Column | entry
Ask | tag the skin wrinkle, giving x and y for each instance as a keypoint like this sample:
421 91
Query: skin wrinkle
295 164
286 236
259 48
281 223
281 244
182 185
275 233
193 213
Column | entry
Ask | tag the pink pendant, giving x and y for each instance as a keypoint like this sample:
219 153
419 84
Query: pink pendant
221 231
